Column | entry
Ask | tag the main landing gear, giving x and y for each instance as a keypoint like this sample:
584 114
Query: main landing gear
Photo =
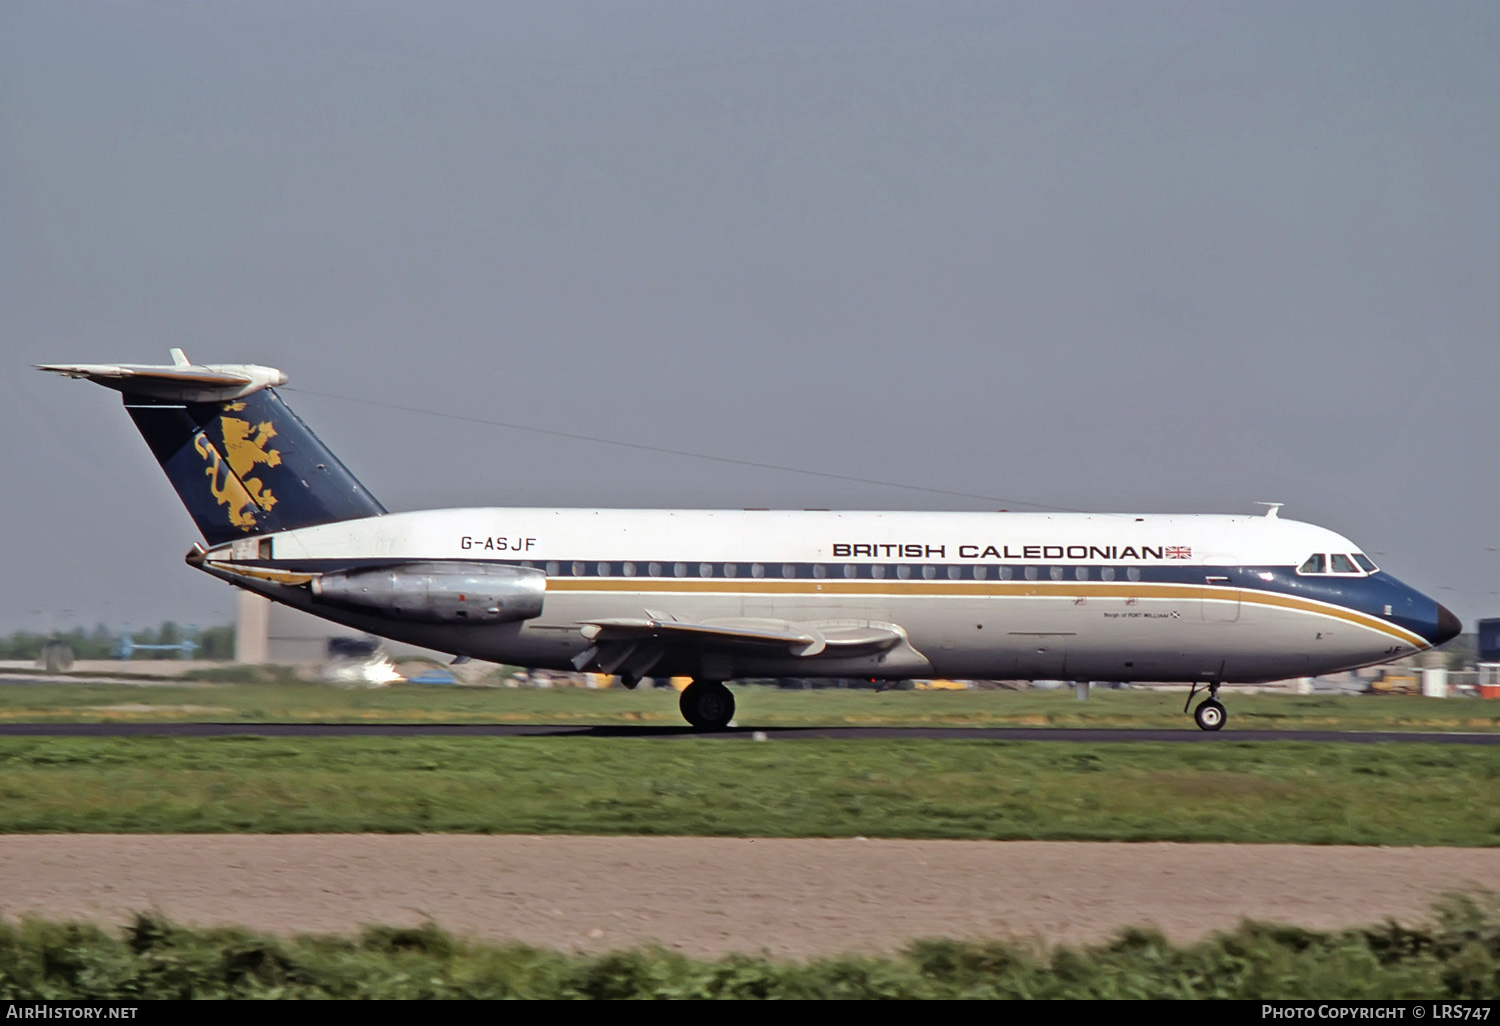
1210 713
707 705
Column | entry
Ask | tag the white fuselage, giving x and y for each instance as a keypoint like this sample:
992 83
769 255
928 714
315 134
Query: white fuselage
973 595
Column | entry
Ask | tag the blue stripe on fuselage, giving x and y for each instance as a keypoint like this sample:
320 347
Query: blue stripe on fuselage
1380 595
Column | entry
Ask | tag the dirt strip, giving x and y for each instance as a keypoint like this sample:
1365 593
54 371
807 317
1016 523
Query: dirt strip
708 896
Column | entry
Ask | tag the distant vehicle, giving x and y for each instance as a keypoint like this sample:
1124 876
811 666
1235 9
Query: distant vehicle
721 594
1397 684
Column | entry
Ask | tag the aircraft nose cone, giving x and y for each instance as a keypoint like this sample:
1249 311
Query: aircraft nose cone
1448 625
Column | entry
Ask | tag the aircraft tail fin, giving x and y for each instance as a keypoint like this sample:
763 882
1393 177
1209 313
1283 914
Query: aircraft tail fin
241 461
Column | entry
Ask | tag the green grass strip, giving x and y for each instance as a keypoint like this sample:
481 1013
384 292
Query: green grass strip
278 700
1270 792
1458 958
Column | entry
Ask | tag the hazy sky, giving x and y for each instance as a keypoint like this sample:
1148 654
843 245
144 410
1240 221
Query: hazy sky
1144 257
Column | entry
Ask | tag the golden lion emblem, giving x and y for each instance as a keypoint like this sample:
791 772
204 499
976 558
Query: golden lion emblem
227 477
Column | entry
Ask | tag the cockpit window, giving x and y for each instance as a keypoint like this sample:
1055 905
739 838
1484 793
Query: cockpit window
1364 563
1355 565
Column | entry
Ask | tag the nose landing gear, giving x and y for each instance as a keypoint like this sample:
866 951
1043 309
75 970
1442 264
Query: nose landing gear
1210 714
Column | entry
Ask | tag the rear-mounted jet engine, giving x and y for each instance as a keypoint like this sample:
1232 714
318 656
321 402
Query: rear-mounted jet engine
437 592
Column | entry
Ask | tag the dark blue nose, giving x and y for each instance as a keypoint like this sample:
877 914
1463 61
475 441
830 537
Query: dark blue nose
1447 626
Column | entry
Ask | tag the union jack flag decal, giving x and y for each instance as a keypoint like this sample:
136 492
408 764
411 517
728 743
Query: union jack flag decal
1178 552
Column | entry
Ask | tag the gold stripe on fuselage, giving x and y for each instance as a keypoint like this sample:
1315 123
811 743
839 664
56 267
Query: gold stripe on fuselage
978 589
292 577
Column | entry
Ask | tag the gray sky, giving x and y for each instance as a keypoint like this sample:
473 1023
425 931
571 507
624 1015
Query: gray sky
1145 257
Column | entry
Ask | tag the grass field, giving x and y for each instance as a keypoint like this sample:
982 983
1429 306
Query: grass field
758 706
154 960
1284 792
1267 792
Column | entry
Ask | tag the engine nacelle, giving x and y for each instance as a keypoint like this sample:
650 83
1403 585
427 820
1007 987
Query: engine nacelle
437 592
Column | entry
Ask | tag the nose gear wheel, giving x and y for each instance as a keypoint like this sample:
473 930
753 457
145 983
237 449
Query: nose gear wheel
1210 714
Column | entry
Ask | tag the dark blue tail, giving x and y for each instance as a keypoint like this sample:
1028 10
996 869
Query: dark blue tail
248 466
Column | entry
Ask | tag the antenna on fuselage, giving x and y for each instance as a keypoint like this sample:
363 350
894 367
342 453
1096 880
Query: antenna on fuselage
1272 509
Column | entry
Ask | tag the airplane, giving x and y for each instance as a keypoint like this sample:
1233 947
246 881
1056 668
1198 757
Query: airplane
718 595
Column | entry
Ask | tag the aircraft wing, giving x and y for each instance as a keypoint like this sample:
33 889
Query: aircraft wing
626 644
725 634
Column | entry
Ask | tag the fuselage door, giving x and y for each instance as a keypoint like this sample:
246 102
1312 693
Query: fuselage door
1220 601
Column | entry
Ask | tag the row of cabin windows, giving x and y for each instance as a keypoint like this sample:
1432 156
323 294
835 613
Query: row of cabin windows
1337 563
876 571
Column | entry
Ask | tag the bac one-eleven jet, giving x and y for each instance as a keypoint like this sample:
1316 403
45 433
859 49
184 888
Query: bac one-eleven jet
724 594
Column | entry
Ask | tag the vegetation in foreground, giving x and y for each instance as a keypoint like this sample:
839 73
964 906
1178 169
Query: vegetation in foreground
1458 958
275 696
1267 792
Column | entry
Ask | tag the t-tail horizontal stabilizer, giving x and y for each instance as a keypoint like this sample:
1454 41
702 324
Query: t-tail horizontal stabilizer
180 381
242 462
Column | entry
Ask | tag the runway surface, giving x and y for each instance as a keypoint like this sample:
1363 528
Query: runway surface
1076 735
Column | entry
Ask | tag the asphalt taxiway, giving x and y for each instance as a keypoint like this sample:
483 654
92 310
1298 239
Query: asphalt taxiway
748 733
